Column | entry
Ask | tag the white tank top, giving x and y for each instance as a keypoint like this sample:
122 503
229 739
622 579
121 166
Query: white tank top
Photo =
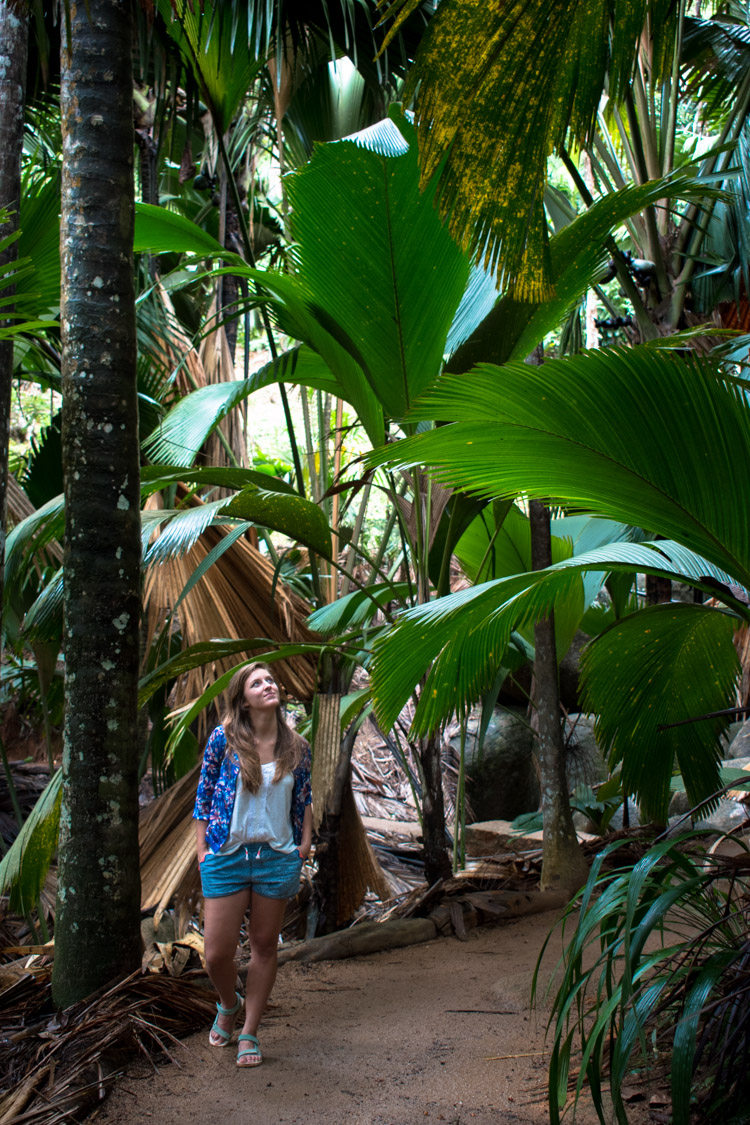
264 817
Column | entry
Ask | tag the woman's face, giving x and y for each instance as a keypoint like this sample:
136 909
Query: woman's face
261 690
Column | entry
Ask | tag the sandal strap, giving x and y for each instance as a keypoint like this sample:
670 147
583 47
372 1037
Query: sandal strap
252 1038
229 1011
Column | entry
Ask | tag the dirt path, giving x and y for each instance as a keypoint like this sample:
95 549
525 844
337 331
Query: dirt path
396 1038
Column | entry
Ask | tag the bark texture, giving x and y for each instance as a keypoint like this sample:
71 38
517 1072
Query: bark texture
437 864
563 865
14 28
97 932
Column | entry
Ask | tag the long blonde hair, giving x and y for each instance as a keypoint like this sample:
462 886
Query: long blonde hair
240 736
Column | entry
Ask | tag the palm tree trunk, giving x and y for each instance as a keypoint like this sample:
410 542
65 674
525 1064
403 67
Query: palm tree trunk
437 864
563 865
14 31
97 936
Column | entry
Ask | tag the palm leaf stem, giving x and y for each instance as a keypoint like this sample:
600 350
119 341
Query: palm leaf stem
250 257
377 562
645 122
365 590
646 328
636 171
402 534
459 819
354 541
602 142
732 130
670 97
734 712
640 141
606 149
732 127
309 449
374 563
633 225
602 296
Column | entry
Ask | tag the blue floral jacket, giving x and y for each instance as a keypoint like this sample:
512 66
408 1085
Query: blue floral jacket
217 785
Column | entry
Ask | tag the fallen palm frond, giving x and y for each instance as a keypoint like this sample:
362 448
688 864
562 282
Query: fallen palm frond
57 1067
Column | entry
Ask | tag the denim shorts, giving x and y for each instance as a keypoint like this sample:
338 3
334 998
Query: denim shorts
254 867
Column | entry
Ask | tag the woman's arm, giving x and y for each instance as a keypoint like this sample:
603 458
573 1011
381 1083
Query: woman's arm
306 844
200 839
213 756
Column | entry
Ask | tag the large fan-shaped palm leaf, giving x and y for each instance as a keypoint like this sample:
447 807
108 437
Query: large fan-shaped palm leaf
646 439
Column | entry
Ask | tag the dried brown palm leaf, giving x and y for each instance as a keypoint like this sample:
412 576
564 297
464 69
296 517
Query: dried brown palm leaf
169 869
237 597
19 505
176 351
58 1068
218 365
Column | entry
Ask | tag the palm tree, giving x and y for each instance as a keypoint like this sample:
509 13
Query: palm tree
97 933
13 50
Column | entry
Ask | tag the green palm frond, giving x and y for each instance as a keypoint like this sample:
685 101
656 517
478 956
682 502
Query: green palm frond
662 665
535 75
187 426
300 519
39 242
33 534
355 609
24 867
214 43
641 436
715 57
160 231
653 973
459 641
43 621
376 266
179 530
156 477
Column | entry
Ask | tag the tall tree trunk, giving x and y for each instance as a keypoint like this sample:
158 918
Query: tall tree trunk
14 32
563 865
97 933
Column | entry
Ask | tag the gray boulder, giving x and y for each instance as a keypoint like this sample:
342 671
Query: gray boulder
502 777
584 762
739 746
726 817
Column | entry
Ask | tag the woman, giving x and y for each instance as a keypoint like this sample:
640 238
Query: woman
253 832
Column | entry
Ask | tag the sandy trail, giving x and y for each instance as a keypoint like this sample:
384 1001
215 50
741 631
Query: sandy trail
395 1038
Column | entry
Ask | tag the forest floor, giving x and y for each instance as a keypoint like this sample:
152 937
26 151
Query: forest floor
441 1031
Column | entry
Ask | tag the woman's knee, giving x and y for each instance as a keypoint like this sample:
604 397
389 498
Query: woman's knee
264 950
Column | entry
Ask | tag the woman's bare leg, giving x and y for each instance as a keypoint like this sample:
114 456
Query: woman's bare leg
222 919
266 916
